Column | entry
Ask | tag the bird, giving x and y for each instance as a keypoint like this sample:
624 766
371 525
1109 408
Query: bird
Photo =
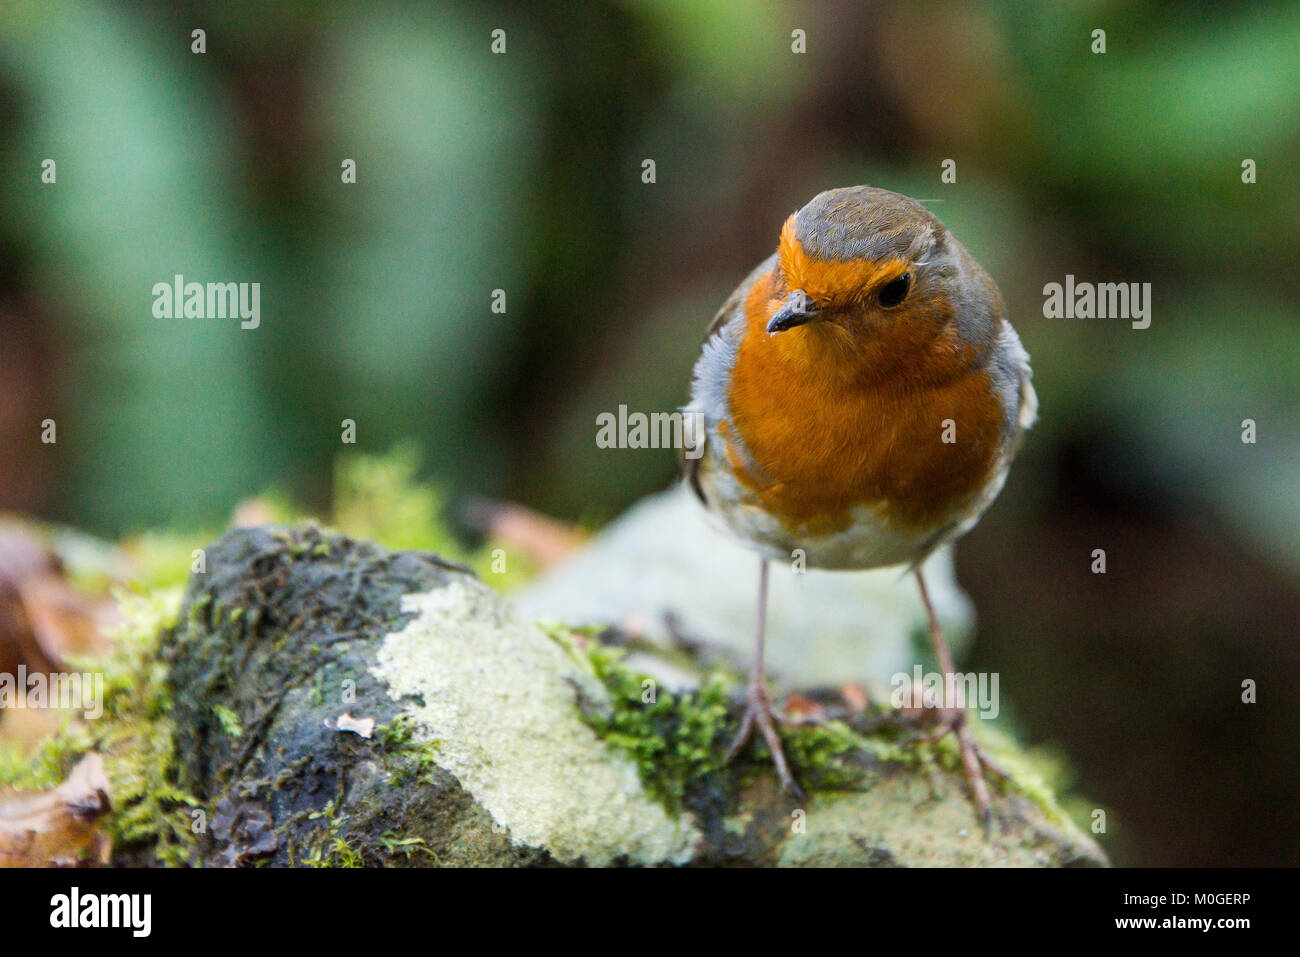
857 403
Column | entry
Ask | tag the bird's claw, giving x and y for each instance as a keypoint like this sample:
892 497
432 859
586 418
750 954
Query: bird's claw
975 761
760 714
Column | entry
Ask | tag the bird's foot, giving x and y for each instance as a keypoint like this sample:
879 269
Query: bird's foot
760 714
975 761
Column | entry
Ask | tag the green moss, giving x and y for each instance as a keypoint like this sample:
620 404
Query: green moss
163 559
831 756
137 736
395 845
379 498
678 740
228 720
48 764
397 735
1038 775
336 852
673 738
375 497
410 759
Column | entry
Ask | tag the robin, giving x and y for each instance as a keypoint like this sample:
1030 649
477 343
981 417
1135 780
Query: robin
862 395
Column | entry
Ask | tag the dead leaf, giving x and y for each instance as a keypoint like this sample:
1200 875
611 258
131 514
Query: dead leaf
65 621
252 512
345 722
800 708
57 828
42 617
540 538
23 554
23 728
855 698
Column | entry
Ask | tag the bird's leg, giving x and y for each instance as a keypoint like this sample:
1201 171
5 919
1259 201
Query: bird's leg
758 708
972 758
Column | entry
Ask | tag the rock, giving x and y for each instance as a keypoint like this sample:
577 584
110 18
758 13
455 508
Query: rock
499 742
664 571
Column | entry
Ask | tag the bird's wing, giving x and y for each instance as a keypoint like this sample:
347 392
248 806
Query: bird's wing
713 369
1028 401
1013 355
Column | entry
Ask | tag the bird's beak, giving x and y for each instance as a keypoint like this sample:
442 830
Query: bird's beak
796 310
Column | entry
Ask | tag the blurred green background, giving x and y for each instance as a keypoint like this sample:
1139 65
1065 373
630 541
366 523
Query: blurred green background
522 172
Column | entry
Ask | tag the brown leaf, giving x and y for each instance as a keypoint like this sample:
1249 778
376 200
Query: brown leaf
23 728
540 538
57 828
42 618
64 621
855 698
23 554
801 708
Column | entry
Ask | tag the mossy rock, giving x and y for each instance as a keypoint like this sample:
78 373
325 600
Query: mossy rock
499 742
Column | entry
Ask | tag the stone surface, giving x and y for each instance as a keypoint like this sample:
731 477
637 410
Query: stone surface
664 557
499 743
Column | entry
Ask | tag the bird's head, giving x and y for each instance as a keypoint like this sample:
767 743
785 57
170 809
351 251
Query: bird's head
871 266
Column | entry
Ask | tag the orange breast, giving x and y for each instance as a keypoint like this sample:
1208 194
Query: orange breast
831 426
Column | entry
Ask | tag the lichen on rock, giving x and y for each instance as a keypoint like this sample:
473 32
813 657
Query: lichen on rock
496 701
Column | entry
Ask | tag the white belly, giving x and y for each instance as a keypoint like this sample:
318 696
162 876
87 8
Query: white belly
871 539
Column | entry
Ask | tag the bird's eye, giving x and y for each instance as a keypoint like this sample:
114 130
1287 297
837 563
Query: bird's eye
896 291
